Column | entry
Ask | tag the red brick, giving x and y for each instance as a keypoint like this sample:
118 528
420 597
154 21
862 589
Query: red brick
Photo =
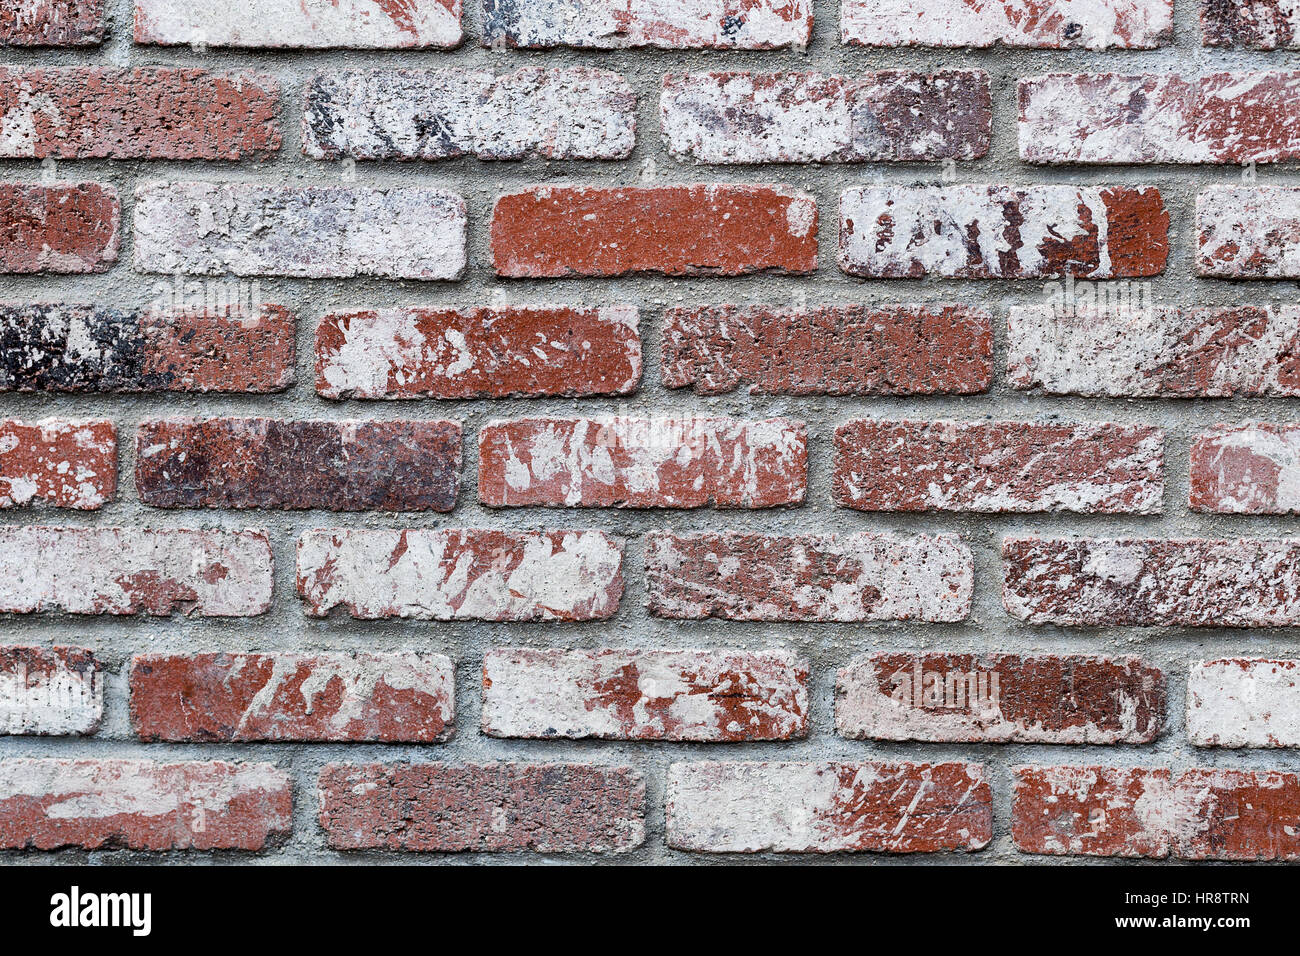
1246 469
54 691
1248 232
388 698
978 231
1000 698
828 807
268 463
57 462
52 23
615 24
1045 24
894 115
505 352
303 232
1255 24
461 575
643 462
577 113
1160 118
852 577
134 571
1157 812
67 229
1243 702
557 231
142 805
1173 352
998 467
712 696
301 24
829 350
142 113
1115 582
549 808
158 350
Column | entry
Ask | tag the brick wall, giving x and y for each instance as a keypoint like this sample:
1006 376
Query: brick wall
649 430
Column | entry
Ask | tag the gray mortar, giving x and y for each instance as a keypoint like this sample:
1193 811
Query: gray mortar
827 646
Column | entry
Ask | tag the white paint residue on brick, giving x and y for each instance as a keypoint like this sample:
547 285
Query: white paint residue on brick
1094 24
114 571
357 675
1244 703
431 575
65 700
748 808
199 228
98 789
298 23
530 693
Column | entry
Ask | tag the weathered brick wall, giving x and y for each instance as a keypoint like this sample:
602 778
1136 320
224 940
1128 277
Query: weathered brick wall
647 429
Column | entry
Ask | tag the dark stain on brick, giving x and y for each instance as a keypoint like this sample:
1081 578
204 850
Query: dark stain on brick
267 463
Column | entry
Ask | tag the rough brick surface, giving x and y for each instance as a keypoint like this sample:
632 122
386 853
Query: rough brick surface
643 462
43 348
716 304
1047 24
309 232
711 696
811 577
1244 702
828 350
898 115
310 24
612 24
1002 232
439 114
53 691
1000 698
998 466
58 462
145 113
134 571
1159 352
1256 24
493 352
1156 812
52 23
68 229
550 808
1248 232
142 805
558 231
1246 469
1160 118
828 807
1109 582
403 697
269 463
462 574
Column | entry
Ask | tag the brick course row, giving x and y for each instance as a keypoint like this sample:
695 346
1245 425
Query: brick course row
555 232
627 462
479 574
717 24
712 807
582 113
1078 348
707 696
691 695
